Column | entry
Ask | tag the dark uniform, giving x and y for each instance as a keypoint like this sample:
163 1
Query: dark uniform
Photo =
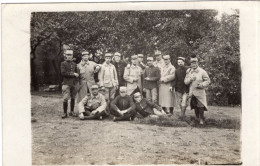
123 103
145 107
70 84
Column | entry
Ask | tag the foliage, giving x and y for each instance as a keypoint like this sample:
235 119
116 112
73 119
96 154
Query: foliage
174 32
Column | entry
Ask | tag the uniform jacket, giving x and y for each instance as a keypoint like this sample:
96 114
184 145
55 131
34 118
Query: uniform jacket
201 77
123 103
120 68
178 82
93 103
154 74
68 68
167 74
108 75
131 73
145 107
86 70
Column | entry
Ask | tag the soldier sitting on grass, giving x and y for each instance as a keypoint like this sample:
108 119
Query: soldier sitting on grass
145 107
123 107
93 106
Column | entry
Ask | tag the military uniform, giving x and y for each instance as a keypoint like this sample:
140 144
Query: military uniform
132 75
92 103
70 83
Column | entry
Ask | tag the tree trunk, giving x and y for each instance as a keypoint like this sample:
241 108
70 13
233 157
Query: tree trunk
34 81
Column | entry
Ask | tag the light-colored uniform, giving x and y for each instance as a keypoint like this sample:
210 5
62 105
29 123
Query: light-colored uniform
86 78
131 73
202 78
108 79
166 97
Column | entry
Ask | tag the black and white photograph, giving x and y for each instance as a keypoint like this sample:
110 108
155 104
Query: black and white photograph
135 86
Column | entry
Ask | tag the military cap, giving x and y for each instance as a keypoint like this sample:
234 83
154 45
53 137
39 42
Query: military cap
181 58
140 55
122 89
117 54
157 52
137 94
134 57
94 87
166 57
68 51
85 53
108 55
150 58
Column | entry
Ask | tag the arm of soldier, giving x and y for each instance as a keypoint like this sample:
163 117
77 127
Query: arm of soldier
115 75
206 79
132 105
170 76
64 73
113 104
101 76
82 103
153 105
187 79
103 105
126 75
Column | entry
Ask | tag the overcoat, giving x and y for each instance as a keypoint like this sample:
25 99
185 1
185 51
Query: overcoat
166 97
86 78
131 74
201 78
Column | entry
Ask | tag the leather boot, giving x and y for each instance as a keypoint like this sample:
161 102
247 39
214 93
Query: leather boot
201 113
65 108
72 103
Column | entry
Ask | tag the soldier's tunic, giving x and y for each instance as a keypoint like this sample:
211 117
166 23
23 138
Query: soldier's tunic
166 97
145 107
86 78
123 103
90 103
108 79
70 81
131 73
120 68
201 77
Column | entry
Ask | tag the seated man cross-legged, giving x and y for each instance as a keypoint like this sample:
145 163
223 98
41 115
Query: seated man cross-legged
123 107
93 106
145 107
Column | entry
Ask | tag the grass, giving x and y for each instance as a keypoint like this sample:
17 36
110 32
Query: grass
175 121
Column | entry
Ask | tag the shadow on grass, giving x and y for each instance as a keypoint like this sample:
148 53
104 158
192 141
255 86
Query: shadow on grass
189 121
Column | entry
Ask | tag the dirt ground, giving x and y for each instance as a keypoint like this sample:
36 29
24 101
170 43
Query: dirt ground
71 141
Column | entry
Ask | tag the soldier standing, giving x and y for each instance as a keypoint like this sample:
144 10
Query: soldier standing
198 80
132 75
166 97
70 83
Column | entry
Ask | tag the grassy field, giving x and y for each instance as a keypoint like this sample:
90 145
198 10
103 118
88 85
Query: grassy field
165 140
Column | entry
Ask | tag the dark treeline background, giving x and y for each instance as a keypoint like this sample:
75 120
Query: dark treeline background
175 32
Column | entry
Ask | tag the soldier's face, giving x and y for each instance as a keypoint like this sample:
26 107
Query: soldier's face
134 61
167 61
180 62
194 65
108 59
98 54
158 57
140 59
138 99
94 92
85 57
149 62
122 93
69 57
117 58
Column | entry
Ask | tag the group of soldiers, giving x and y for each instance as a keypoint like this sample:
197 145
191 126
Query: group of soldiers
125 89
